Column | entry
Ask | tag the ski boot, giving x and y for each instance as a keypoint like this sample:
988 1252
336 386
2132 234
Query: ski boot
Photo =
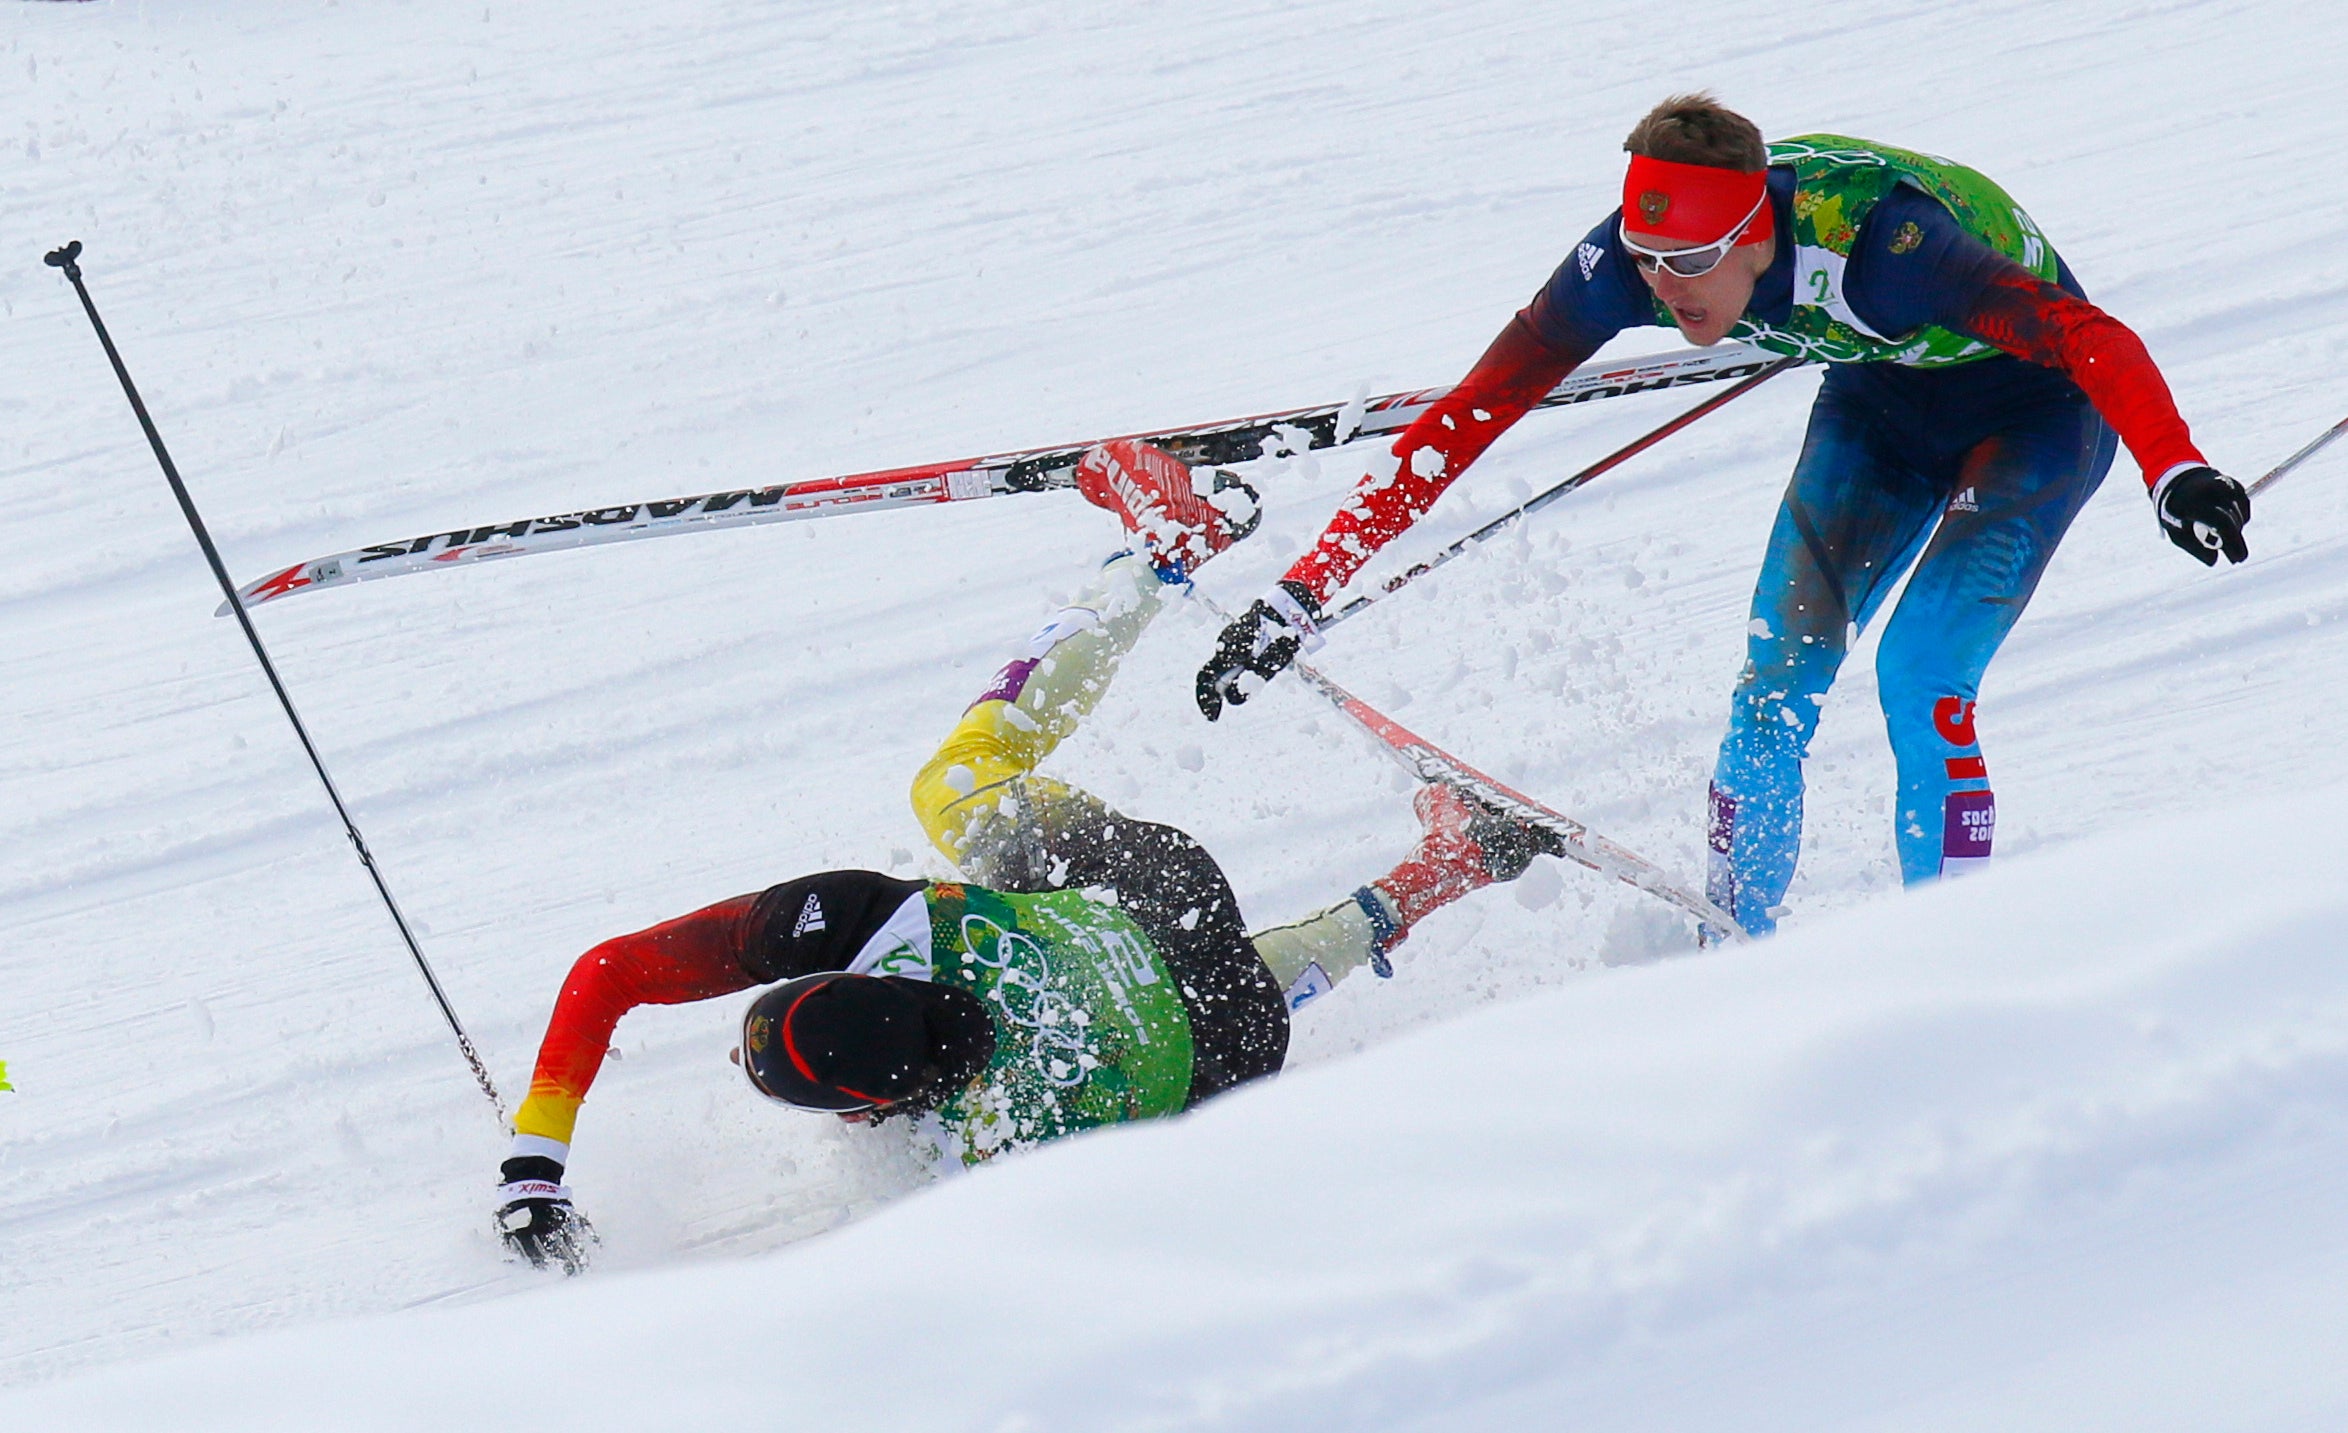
1151 492
1466 846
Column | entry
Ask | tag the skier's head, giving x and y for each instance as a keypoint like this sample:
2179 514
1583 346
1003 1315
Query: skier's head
1695 211
846 1043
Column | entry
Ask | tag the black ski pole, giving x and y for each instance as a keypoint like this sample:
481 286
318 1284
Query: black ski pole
1549 495
65 259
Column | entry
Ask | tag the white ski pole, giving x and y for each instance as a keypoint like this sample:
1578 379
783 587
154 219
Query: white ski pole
2299 457
1559 489
1431 763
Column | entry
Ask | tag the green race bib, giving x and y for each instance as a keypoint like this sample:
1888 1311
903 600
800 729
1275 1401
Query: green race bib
1838 181
1089 1028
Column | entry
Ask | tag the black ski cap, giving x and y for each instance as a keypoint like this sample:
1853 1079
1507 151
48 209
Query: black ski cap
842 1043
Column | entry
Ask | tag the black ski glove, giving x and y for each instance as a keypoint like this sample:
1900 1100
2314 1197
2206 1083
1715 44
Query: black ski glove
1259 646
2203 511
535 1216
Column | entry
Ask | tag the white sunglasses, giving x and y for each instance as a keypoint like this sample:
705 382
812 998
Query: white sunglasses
1691 263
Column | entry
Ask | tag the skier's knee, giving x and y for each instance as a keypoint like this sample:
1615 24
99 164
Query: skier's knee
955 784
1929 718
934 795
1768 722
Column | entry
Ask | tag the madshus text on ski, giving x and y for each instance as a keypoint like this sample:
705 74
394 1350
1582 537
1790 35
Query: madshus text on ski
1031 470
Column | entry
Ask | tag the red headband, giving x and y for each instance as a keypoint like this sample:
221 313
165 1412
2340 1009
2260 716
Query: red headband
1694 202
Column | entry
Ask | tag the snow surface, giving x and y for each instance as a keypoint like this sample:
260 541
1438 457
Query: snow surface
2058 1149
1997 1156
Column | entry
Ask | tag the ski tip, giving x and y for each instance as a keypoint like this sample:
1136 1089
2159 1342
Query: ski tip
269 588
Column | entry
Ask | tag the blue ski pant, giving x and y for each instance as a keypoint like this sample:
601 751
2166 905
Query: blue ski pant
1969 475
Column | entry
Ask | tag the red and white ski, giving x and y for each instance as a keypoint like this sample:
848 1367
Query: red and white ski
1429 762
1030 470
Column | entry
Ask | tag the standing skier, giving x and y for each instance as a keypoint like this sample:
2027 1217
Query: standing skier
1969 410
1094 969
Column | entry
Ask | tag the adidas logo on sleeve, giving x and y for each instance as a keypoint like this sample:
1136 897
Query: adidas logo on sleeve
810 917
831 921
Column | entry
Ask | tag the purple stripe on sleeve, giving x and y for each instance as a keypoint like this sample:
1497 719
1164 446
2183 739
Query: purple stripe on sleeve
1008 683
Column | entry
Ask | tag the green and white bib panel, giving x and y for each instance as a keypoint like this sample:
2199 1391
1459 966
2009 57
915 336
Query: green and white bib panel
1090 1028
1838 181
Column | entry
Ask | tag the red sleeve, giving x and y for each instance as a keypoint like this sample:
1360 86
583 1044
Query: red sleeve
1515 373
691 958
2038 322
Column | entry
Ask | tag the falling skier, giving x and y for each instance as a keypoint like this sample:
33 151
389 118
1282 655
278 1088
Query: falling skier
1969 410
1094 968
